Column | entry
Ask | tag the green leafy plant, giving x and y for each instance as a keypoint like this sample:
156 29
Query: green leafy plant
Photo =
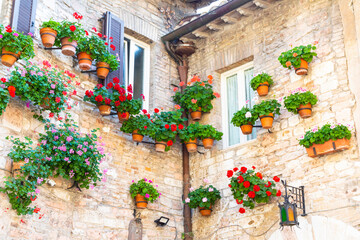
267 107
208 131
325 133
293 56
190 132
4 99
51 24
109 59
199 94
93 45
139 122
248 187
260 79
145 188
123 100
16 42
298 97
99 96
244 116
204 197
73 30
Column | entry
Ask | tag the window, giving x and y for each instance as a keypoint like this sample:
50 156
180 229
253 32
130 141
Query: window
235 87
137 67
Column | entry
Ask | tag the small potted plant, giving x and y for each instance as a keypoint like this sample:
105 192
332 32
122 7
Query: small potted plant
328 139
266 111
137 126
245 119
106 63
143 191
248 187
203 198
189 136
14 46
298 57
300 101
196 97
261 83
89 48
208 134
101 97
48 32
68 36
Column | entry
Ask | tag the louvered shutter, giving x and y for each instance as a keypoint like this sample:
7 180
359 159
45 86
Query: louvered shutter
114 27
23 16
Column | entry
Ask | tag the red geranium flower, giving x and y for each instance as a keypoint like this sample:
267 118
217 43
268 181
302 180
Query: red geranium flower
94 28
111 39
122 98
235 169
86 33
57 99
278 193
110 85
229 185
72 28
145 127
230 173
239 202
106 43
253 167
173 127
12 90
123 115
276 179
129 88
144 111
242 210
167 126
51 115
181 127
269 184
243 169
107 101
3 80
8 29
170 143
129 97
99 34
259 175
117 103
268 193
240 179
112 47
256 188
246 184
156 110
116 80
99 98
251 194
36 210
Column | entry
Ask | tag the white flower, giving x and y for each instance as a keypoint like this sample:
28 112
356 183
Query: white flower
206 180
248 115
301 138
211 189
187 200
204 199
191 189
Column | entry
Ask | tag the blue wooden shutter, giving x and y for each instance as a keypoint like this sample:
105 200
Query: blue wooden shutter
23 16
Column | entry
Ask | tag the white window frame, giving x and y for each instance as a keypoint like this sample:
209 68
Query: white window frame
129 75
240 71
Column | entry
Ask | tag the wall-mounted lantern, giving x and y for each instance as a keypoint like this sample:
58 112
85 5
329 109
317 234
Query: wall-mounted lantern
162 221
294 198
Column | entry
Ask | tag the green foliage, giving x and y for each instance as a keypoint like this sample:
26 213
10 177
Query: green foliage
267 107
259 79
99 96
244 116
65 30
47 87
145 188
190 132
93 45
16 42
208 131
110 59
327 132
299 97
294 55
123 101
203 197
51 24
4 99
199 94
140 122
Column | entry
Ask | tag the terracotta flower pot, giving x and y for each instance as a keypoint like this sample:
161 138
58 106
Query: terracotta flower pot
140 201
9 58
85 61
267 120
123 116
246 129
136 136
205 212
305 110
191 145
16 168
208 143
102 70
160 146
104 110
48 36
263 89
303 69
46 103
328 147
195 115
68 48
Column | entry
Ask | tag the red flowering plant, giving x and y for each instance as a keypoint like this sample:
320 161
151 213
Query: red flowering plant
165 126
73 30
122 98
140 122
44 86
248 187
99 96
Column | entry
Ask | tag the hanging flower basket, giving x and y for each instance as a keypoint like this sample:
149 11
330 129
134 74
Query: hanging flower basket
261 83
136 136
328 147
160 146
195 115
266 110
68 46
303 68
85 61
136 125
300 101
191 145
143 192
9 58
140 201
123 116
245 118
104 110
205 212
48 36
208 134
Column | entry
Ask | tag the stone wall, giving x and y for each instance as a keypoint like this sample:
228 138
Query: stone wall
331 182
104 212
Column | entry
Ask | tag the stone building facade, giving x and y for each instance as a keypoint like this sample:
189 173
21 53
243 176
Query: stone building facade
331 182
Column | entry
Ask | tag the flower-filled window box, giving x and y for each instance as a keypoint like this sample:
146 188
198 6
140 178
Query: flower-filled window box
266 111
245 118
298 57
14 46
328 139
261 83
143 192
300 101
248 187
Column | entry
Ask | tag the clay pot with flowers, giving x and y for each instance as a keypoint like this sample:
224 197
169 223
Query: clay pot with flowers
300 101
208 134
137 126
68 36
245 119
203 198
44 86
88 49
143 192
196 97
101 97
48 32
298 57
106 63
164 128
328 139
14 46
261 83
189 136
266 111
249 187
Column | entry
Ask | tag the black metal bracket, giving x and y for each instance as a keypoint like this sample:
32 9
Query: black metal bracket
90 71
152 143
111 114
297 195
261 127
174 85
50 49
75 184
